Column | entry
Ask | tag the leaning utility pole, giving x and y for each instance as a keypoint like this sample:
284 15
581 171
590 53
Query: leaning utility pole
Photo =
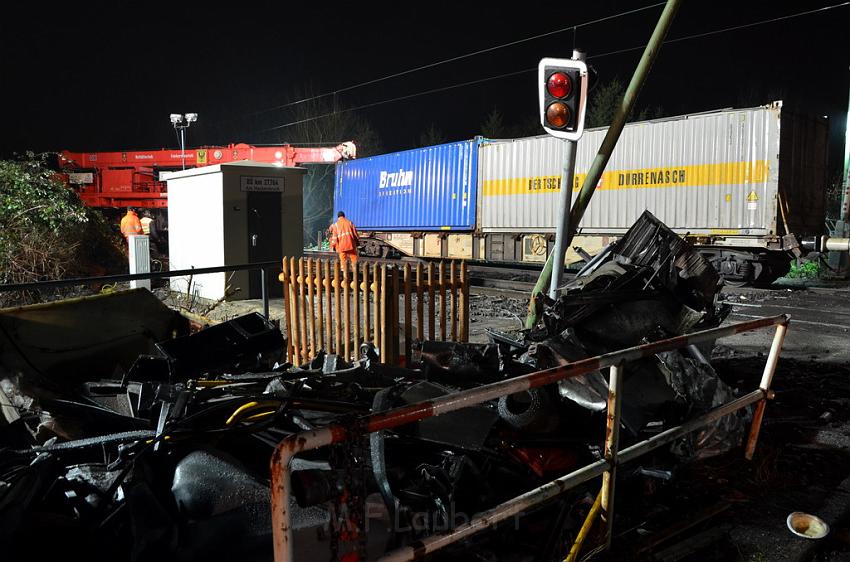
598 166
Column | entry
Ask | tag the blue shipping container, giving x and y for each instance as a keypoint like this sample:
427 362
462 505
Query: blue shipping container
431 188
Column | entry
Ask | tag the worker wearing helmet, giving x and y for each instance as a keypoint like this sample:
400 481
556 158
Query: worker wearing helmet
344 238
130 224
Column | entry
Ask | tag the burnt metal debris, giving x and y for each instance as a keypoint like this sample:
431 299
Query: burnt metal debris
648 285
166 457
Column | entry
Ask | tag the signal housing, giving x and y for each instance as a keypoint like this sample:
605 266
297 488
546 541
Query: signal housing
562 88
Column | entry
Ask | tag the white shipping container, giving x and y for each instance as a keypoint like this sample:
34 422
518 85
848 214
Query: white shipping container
709 173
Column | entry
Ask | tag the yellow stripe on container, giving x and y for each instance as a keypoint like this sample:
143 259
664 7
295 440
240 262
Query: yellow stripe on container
726 173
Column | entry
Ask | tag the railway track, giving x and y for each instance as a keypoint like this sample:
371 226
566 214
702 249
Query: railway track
815 308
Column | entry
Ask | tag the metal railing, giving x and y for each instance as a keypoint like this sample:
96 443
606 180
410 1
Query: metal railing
281 488
76 281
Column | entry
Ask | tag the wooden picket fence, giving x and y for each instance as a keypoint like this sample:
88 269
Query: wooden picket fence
334 307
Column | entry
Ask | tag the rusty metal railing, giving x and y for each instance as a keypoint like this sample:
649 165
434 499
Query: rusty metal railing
336 433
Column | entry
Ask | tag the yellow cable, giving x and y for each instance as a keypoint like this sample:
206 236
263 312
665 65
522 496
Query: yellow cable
241 410
259 416
585 529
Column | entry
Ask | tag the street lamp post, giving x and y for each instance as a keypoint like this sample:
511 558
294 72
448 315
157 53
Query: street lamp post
181 123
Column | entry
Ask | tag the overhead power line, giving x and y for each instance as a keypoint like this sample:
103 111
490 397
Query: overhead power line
455 59
534 69
400 98
726 29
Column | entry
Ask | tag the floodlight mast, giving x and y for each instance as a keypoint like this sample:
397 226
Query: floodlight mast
181 122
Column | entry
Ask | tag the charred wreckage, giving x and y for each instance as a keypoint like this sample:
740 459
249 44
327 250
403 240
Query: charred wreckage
156 444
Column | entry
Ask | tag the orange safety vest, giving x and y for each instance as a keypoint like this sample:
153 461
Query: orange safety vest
344 237
130 225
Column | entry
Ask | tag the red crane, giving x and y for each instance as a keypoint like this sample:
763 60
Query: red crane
119 179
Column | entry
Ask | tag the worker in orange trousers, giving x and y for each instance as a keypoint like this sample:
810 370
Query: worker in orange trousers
344 238
130 224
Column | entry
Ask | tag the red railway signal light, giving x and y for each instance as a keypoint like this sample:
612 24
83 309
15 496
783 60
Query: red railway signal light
559 85
562 86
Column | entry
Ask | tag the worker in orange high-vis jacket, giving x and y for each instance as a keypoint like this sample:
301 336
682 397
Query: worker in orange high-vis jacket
130 224
344 238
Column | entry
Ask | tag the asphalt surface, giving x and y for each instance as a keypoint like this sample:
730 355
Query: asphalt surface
820 319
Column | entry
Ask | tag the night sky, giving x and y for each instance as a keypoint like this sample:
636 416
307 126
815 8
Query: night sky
89 76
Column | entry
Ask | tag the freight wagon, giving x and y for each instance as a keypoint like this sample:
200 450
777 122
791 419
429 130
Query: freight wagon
746 186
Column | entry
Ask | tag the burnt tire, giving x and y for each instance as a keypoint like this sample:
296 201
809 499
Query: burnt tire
531 410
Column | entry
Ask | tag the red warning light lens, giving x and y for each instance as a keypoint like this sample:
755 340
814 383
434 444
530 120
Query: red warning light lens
559 85
557 115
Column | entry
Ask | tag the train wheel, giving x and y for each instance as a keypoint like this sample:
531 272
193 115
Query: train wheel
744 277
735 283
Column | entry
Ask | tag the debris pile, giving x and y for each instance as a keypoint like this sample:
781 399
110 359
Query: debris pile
647 286
166 457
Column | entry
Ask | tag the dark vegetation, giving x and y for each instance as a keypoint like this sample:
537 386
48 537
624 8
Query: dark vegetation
46 231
